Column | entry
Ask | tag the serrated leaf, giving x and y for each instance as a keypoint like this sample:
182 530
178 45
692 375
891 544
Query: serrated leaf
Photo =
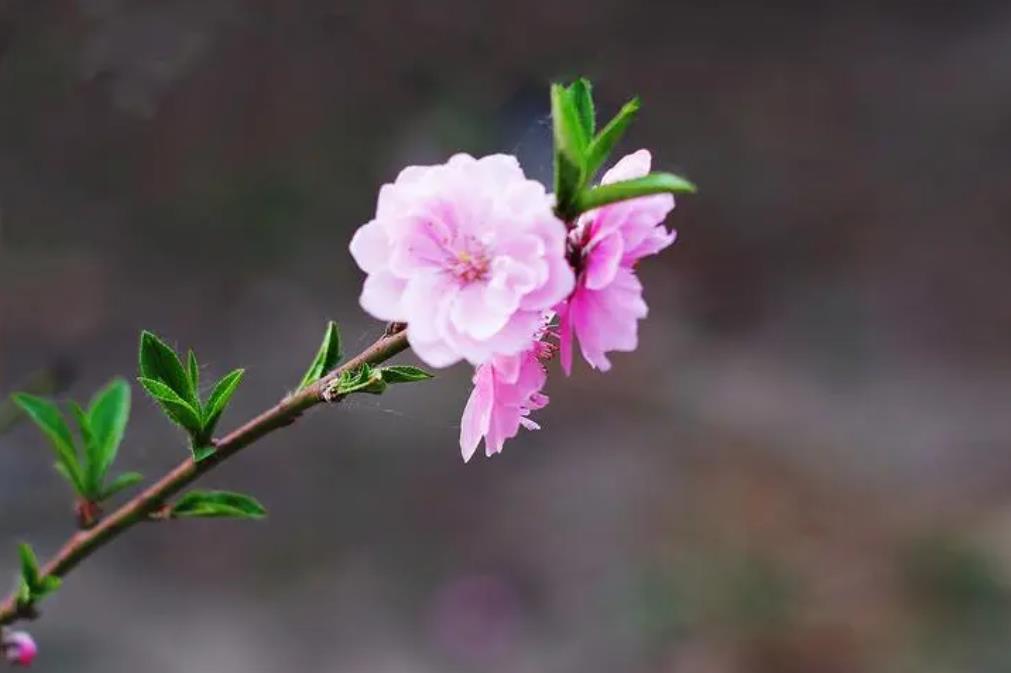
49 419
176 408
581 92
327 358
218 504
654 183
121 482
404 374
218 401
109 412
193 372
602 146
160 363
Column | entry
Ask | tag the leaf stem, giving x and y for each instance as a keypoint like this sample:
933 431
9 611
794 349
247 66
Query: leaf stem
83 544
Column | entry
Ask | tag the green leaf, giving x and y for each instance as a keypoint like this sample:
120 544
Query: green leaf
404 374
218 504
654 183
123 481
29 565
365 379
601 146
90 480
570 146
160 363
62 470
581 92
46 586
175 407
220 396
50 421
32 586
203 452
193 373
109 412
327 357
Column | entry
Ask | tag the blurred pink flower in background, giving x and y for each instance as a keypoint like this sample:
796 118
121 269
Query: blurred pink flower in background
476 618
468 253
604 310
506 389
19 648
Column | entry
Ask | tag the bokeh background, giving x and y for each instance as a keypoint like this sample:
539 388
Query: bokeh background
806 466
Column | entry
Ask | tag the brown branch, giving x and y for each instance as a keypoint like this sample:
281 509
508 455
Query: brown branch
82 544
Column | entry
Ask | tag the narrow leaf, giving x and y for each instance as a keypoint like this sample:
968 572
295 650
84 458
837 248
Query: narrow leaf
176 408
570 145
404 374
50 421
193 372
88 466
602 146
109 412
654 183
29 565
219 399
159 362
62 469
218 504
123 481
581 92
328 356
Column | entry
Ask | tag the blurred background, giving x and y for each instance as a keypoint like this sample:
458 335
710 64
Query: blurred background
806 466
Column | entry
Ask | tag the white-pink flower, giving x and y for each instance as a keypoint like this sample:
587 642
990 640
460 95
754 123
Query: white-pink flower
468 253
506 389
606 305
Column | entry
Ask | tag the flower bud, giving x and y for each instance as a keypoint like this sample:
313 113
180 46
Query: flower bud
19 648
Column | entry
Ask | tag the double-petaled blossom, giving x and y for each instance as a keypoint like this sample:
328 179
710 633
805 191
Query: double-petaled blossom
468 253
19 648
506 389
606 243
472 257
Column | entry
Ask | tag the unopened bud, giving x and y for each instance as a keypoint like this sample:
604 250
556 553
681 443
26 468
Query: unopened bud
19 648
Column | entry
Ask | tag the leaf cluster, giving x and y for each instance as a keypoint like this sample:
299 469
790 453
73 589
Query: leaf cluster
85 461
581 150
176 389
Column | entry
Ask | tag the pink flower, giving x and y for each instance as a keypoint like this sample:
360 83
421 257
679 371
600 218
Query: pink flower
604 310
469 254
506 389
19 648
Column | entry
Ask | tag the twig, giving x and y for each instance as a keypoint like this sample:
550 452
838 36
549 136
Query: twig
82 544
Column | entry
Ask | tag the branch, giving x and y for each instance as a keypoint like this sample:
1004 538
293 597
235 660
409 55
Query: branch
82 544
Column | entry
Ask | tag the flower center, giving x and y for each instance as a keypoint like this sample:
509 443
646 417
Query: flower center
469 264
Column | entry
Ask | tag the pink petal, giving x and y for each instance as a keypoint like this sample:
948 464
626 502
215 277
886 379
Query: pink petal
370 247
477 413
602 261
381 295
629 167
